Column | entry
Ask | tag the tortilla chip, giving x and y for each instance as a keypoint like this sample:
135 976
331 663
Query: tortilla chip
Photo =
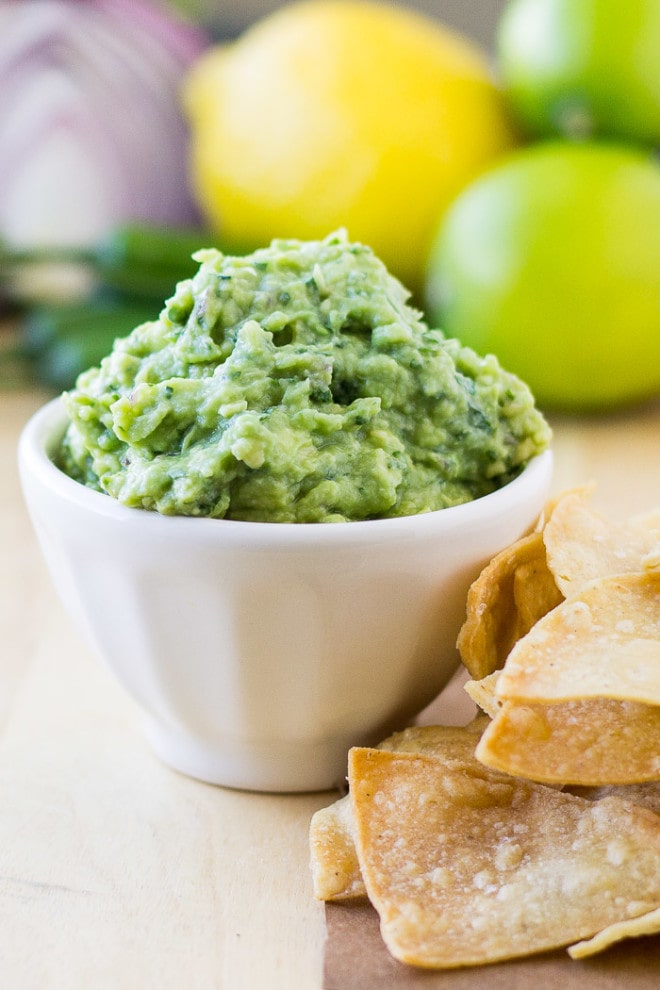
591 743
647 795
649 519
582 490
484 693
601 643
512 592
583 545
645 924
465 869
535 592
336 872
335 869
651 560
444 742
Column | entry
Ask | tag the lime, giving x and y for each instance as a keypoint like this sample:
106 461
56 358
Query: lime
552 262
583 68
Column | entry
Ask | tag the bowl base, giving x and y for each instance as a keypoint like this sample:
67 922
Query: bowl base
267 766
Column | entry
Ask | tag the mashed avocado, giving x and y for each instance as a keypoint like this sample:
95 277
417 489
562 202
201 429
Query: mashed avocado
296 384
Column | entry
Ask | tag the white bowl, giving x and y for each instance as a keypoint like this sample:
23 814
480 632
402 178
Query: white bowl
262 651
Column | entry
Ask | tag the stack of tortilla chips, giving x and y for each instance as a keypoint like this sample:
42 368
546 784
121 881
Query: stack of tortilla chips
537 825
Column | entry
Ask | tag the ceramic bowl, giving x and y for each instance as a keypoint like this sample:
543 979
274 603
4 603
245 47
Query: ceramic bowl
260 652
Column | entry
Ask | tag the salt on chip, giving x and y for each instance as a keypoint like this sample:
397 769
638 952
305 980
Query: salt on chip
591 743
464 869
601 643
583 545
645 924
334 864
512 592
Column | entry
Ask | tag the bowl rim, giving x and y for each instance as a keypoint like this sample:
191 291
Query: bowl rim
46 427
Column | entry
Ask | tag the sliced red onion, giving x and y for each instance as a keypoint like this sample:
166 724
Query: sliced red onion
91 128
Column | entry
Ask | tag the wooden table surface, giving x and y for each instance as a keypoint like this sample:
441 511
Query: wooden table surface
116 872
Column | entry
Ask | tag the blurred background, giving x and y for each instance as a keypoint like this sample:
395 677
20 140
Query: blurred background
227 19
97 218
499 156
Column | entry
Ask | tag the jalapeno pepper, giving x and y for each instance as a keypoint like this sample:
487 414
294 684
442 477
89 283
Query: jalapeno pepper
134 269
59 342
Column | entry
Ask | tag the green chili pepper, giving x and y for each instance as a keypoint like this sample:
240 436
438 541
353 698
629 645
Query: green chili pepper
162 248
134 269
141 260
61 341
132 260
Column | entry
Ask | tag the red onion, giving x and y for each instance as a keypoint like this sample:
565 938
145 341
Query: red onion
91 129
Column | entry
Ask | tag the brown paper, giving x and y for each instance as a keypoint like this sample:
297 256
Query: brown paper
356 959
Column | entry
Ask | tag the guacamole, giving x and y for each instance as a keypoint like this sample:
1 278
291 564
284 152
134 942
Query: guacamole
296 384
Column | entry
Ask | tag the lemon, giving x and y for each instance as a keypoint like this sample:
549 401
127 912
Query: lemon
334 113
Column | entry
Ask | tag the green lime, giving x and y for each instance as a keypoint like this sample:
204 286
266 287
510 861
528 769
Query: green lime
552 262
583 68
